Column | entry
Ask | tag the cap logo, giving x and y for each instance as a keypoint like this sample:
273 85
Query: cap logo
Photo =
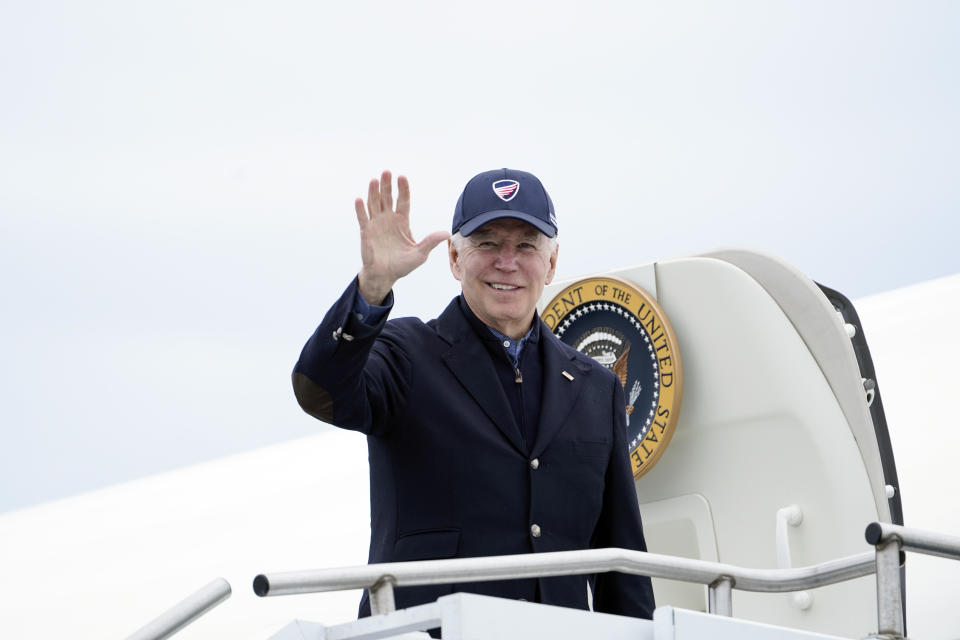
506 189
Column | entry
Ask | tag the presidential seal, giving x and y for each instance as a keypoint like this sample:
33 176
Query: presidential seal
623 328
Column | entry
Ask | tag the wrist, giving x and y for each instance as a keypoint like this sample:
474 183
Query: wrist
374 290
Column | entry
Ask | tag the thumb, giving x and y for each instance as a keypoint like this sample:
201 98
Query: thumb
429 243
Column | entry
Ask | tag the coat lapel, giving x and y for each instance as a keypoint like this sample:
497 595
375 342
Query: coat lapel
560 392
470 363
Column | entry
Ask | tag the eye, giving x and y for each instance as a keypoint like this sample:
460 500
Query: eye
527 246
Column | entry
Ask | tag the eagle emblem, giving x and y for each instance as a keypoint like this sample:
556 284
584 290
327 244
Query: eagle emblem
624 329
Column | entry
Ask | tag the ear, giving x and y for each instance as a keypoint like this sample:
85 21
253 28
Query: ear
454 257
553 265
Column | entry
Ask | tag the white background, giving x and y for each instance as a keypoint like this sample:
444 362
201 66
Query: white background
176 181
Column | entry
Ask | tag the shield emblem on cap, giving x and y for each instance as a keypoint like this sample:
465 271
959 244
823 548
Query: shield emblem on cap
506 189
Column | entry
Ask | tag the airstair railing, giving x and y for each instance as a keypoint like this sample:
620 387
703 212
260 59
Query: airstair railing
890 541
184 612
719 578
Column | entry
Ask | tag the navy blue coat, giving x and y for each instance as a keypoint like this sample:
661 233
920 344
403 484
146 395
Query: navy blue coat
450 476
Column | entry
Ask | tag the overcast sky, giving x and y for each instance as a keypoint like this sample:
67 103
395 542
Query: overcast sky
177 178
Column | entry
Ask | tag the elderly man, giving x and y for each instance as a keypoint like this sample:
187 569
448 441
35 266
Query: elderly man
487 435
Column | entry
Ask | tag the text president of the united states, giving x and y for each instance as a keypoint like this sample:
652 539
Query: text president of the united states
486 434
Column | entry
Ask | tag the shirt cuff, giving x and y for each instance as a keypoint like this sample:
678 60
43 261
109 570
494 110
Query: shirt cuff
370 314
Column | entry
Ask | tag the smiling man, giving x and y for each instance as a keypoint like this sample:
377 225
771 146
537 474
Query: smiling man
486 434
502 268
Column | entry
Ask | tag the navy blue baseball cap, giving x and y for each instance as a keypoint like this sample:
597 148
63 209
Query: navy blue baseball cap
504 193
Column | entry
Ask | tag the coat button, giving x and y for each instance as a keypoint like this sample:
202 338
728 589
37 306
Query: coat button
535 530
535 464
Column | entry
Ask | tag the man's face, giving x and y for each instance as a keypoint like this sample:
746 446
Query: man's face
503 267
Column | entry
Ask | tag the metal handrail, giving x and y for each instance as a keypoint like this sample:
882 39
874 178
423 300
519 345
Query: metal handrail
926 542
718 577
890 540
184 612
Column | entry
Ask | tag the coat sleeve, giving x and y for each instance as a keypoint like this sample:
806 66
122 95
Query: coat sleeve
351 374
620 526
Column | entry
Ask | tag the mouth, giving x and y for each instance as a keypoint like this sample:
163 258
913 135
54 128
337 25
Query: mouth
499 286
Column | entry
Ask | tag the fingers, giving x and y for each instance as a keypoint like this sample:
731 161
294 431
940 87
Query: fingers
403 196
361 212
430 242
373 198
380 195
386 191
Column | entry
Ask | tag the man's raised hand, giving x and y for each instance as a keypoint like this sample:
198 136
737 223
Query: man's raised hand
387 247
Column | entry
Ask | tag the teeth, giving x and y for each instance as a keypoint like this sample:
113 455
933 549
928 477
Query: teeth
503 287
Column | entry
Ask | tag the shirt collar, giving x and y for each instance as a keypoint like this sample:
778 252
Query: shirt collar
513 348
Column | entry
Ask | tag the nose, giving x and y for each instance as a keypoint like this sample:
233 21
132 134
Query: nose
506 259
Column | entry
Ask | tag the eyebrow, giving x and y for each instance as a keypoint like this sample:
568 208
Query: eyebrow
480 236
480 233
